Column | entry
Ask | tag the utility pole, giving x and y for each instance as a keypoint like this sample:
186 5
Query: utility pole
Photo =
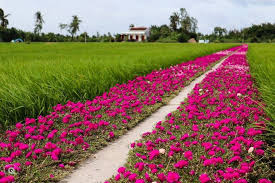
85 37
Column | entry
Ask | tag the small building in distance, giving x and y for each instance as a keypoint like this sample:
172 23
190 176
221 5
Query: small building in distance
136 34
204 41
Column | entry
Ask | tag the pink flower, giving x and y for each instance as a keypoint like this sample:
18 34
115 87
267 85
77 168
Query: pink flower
240 181
121 170
18 125
140 181
264 181
117 177
132 177
7 179
161 177
2 174
28 163
195 128
259 152
67 118
79 140
192 172
172 177
188 155
181 164
147 177
235 158
204 178
111 134
153 154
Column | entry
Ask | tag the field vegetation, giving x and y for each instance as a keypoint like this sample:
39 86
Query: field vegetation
35 77
262 64
47 148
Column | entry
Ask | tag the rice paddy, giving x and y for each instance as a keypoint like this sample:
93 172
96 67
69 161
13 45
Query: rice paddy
261 59
34 77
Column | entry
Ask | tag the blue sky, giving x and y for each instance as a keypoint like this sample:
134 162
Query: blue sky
116 15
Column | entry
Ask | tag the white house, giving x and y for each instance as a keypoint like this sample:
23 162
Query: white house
204 41
136 34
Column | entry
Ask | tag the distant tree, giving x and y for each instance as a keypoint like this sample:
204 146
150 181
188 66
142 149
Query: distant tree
194 25
118 38
84 37
183 38
174 21
74 26
164 30
3 19
38 22
188 24
219 31
154 33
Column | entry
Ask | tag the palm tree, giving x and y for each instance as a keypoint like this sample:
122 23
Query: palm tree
74 26
3 18
38 22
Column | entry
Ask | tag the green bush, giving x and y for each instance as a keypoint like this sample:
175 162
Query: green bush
182 38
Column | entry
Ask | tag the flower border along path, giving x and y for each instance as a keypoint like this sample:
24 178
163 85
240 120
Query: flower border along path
47 148
105 162
210 138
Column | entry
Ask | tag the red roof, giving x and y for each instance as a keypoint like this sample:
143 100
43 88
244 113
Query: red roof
138 28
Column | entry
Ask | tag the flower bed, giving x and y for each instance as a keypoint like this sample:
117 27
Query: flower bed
210 138
46 148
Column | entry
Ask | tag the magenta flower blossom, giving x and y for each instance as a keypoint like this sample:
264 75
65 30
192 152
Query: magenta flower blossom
153 154
121 170
204 178
181 164
172 177
264 181
111 134
188 155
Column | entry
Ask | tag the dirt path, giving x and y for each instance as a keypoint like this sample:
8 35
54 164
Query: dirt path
110 158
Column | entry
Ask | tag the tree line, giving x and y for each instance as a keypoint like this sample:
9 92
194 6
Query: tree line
181 28
264 32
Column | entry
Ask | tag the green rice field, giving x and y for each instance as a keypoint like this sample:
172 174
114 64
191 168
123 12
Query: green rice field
262 64
34 77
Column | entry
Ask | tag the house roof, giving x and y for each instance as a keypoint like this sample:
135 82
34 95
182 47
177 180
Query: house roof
137 28
133 33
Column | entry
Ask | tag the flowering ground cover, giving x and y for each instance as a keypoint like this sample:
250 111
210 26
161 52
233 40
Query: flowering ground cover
47 148
214 136
35 77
